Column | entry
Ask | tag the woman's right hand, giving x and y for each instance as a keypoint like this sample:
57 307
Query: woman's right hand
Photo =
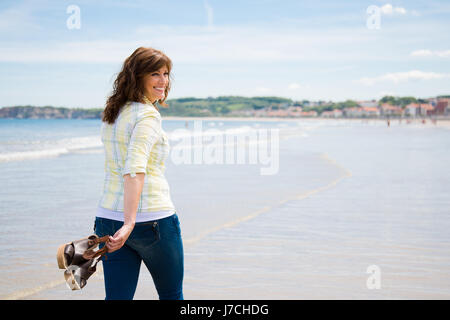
119 238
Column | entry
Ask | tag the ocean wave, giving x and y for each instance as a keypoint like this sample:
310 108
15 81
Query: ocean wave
92 144
200 131
51 149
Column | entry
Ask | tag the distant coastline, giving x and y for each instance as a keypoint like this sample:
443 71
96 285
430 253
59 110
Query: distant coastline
262 107
30 112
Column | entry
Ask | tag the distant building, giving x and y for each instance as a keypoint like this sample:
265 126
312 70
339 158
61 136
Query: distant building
277 113
412 110
259 113
387 110
295 111
309 114
426 109
353 112
370 112
336 113
442 107
368 108
433 101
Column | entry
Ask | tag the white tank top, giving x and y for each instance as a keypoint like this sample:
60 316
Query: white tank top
140 216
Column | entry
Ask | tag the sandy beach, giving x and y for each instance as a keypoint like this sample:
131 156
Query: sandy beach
349 197
428 122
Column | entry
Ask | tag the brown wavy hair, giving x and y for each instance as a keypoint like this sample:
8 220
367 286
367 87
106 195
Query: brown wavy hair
128 85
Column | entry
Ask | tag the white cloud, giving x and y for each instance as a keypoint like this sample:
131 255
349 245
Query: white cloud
194 44
398 77
294 86
389 9
429 53
221 45
421 53
443 54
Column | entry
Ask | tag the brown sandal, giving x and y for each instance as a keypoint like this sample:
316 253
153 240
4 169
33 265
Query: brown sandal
79 259
76 276
80 250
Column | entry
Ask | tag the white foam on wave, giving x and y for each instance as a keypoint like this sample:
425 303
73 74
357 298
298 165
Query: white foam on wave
178 134
57 148
93 144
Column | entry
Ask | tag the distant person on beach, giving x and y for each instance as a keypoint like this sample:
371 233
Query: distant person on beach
136 209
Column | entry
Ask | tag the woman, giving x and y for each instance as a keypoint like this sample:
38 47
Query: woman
136 209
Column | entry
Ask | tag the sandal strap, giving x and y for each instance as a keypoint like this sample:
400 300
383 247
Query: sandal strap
98 240
91 254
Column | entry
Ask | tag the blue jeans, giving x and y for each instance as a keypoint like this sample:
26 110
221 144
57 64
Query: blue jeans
158 243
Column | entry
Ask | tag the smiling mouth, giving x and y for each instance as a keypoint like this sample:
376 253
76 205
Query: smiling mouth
160 89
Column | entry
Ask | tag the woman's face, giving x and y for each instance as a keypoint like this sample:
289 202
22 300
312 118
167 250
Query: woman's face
155 84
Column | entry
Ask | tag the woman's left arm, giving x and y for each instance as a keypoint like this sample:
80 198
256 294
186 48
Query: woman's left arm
132 194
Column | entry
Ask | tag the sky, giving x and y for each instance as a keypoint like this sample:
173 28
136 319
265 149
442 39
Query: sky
68 53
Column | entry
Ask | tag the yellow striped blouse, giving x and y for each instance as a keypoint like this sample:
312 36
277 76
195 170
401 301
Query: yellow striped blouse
136 143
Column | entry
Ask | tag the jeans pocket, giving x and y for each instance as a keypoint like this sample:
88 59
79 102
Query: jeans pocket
147 233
